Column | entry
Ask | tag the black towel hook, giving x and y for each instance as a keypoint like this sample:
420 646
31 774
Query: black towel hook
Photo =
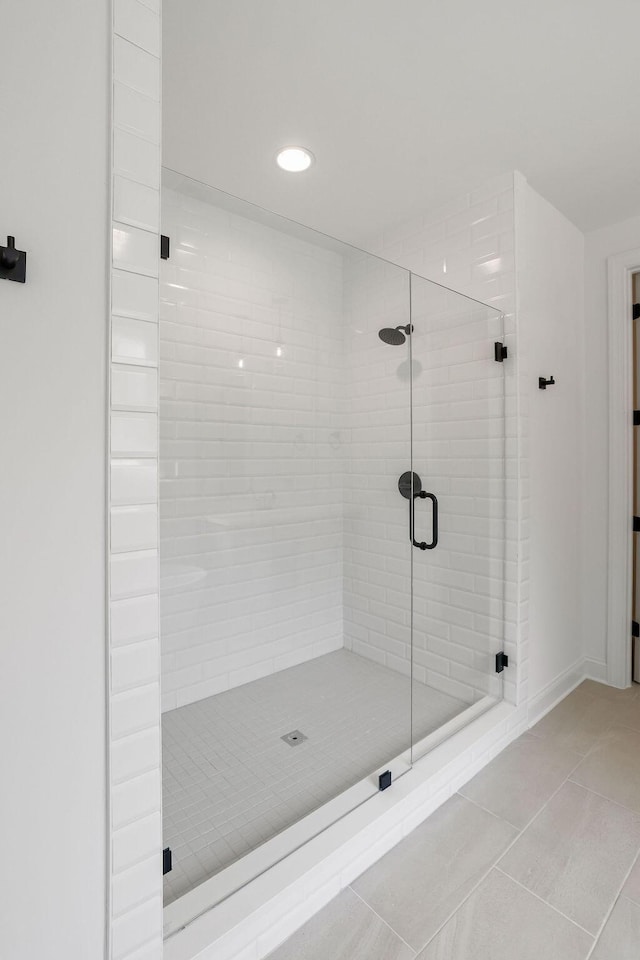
13 263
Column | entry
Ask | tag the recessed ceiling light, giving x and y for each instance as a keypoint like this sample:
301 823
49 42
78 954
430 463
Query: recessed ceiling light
294 159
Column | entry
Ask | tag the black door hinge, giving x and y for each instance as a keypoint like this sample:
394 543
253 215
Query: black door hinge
502 661
500 351
384 780
636 418
164 247
635 628
636 524
636 311
166 861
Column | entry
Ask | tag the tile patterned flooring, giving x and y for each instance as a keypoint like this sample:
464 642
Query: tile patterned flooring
537 857
230 782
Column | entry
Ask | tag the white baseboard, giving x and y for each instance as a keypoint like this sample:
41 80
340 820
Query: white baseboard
554 692
596 670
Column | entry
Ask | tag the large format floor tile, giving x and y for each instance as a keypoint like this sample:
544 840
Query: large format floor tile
577 721
610 693
503 921
620 939
419 883
576 854
345 930
613 767
631 888
627 712
521 779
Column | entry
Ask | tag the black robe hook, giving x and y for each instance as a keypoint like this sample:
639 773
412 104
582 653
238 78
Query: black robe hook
13 263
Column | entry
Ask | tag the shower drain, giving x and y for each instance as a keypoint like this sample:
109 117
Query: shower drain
294 738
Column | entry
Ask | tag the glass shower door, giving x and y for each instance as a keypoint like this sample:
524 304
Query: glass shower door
458 442
377 551
285 559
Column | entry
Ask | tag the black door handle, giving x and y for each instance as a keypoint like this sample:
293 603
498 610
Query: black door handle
410 487
434 534
423 545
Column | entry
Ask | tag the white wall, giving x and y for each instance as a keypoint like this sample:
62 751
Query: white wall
550 278
252 450
54 197
599 245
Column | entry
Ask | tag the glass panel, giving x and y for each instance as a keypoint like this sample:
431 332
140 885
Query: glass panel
459 455
285 556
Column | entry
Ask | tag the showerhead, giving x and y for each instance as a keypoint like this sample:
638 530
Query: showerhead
394 336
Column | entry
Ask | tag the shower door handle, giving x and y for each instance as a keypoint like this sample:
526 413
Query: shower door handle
423 545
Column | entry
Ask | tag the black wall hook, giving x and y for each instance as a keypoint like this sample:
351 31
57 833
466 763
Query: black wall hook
13 263
543 384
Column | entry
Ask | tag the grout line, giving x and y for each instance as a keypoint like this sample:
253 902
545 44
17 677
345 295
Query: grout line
545 902
611 908
503 853
602 796
395 932
491 812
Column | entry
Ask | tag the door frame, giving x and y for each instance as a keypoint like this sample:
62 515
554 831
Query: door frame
620 268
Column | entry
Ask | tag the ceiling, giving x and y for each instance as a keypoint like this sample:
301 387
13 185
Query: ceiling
405 104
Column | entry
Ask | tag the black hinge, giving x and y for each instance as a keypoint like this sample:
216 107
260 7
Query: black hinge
384 780
164 247
166 861
636 524
635 628
636 311
502 661
636 418
500 351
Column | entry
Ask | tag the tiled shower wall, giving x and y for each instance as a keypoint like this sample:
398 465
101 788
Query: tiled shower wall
468 245
458 451
135 829
279 400
252 396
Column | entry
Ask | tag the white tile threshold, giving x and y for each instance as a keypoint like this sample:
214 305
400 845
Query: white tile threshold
262 914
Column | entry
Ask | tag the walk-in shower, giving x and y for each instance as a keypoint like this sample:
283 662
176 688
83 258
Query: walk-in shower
332 531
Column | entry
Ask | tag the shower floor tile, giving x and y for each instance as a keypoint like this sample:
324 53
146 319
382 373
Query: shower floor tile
230 781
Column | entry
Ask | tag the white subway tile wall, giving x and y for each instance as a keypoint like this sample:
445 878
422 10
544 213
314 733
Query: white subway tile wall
252 397
458 452
135 930
468 245
285 424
